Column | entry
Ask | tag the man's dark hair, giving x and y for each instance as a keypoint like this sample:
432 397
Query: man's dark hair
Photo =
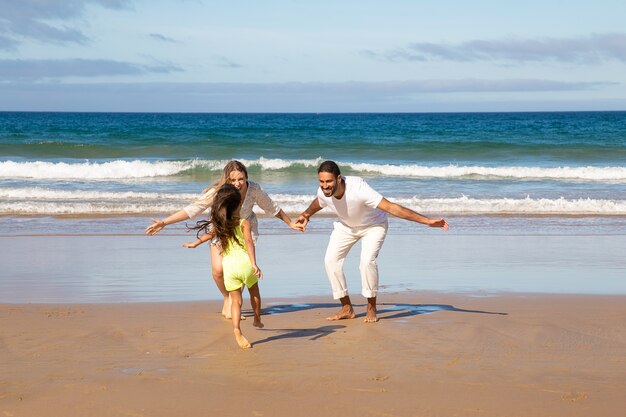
329 166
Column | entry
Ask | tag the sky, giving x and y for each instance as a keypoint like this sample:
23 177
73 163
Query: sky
312 56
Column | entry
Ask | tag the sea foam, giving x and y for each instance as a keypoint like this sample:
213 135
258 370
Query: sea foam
44 201
137 169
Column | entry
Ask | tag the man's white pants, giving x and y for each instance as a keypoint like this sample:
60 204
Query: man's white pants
341 241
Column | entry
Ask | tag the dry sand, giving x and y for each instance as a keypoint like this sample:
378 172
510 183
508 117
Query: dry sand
431 354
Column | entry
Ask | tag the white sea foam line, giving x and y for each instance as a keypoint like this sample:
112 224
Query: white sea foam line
78 208
53 194
277 164
296 204
128 169
56 194
151 169
454 171
99 170
515 172
526 205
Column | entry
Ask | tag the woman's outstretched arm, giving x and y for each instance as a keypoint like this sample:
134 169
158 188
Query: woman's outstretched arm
158 225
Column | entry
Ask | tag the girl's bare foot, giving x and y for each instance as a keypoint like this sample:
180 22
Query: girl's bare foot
346 312
257 323
241 340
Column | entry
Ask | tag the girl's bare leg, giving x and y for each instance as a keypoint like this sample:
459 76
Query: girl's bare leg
235 313
255 300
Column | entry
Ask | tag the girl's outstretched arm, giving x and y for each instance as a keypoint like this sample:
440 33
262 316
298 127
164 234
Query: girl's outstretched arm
247 237
205 237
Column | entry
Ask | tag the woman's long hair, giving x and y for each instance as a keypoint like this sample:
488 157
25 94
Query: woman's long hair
228 168
224 216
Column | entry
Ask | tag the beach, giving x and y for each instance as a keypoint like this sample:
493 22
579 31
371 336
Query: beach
431 354
517 310
139 268
148 339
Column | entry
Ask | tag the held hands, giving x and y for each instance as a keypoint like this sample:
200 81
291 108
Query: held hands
302 222
155 227
297 226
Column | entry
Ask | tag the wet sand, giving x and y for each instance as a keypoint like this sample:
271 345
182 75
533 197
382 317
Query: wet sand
138 268
431 354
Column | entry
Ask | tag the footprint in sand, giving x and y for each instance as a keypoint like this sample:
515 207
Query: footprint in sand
574 396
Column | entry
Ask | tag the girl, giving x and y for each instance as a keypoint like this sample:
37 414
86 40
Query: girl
234 173
233 237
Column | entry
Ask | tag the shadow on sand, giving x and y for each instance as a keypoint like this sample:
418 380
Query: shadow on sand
409 310
400 310
386 311
311 334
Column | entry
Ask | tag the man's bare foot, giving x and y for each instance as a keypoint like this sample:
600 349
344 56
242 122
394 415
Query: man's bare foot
370 315
257 323
346 312
241 340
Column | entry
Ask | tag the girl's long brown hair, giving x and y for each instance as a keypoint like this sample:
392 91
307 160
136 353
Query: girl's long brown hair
224 216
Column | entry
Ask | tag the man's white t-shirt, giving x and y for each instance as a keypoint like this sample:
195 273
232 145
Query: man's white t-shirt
357 207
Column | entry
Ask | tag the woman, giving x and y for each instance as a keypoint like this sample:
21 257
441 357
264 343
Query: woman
234 173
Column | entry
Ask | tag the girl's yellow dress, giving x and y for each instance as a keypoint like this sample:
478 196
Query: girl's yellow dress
236 264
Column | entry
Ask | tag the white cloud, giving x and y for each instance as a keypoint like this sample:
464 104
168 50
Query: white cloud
298 89
30 19
409 96
12 70
227 63
590 49
388 87
162 38
7 43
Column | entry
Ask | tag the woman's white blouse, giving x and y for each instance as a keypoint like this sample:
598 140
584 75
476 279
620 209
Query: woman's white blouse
255 195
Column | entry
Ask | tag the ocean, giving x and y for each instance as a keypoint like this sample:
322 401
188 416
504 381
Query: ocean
515 172
535 201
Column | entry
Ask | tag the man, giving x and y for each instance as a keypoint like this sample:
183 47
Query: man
362 216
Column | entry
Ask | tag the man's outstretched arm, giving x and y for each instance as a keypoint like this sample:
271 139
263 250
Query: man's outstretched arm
408 214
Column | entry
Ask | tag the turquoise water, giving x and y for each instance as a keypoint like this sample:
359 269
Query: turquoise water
80 269
499 165
536 201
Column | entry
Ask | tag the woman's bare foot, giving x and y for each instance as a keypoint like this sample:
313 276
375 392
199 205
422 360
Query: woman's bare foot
226 310
241 340
346 312
257 323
